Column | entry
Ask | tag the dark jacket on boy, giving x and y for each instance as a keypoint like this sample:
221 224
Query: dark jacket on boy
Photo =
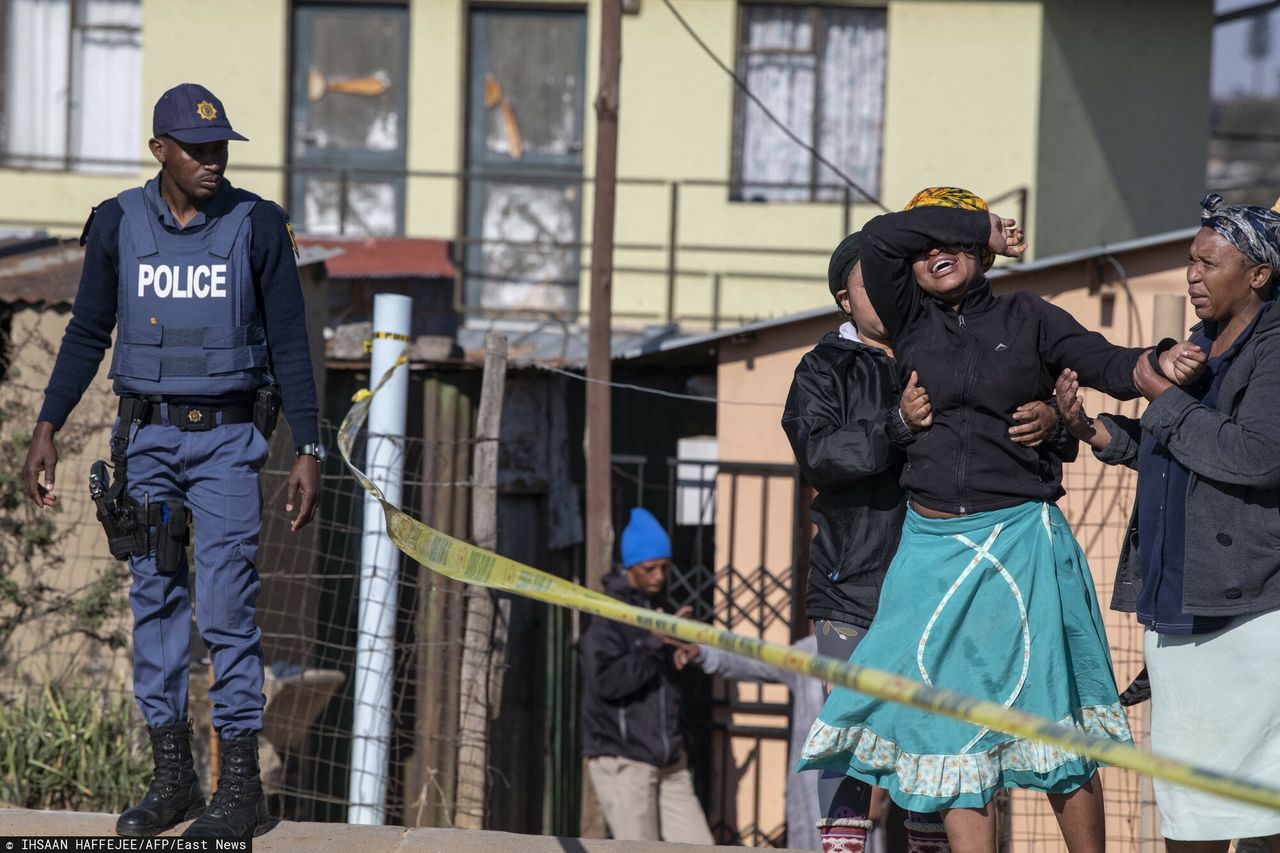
630 702
842 420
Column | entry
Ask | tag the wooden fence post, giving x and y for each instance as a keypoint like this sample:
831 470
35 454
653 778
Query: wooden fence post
478 636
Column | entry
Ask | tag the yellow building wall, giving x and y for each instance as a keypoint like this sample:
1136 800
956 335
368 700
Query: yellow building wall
437 115
994 95
759 367
962 97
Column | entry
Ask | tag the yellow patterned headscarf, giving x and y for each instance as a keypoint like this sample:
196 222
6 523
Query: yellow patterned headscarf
952 197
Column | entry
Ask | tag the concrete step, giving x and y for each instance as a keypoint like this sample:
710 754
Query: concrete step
289 836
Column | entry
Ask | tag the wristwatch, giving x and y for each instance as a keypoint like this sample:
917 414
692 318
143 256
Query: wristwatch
316 450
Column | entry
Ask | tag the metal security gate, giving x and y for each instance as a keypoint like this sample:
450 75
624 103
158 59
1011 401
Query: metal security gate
740 534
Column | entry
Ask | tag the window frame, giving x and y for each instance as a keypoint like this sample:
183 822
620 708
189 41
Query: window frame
816 12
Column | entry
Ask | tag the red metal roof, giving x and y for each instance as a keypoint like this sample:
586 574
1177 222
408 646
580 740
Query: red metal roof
385 257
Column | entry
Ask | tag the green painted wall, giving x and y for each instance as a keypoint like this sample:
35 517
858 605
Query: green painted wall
1124 118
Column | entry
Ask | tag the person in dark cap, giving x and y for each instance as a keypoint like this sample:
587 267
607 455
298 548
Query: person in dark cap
1200 567
198 280
848 426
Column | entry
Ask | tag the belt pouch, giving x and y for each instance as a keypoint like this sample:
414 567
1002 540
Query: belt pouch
266 409
173 532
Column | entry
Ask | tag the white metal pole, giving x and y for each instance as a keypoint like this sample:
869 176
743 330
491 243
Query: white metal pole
379 562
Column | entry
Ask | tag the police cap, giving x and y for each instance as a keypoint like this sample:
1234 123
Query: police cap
191 113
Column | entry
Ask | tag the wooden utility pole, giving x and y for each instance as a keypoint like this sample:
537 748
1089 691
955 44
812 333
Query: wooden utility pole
476 704
599 426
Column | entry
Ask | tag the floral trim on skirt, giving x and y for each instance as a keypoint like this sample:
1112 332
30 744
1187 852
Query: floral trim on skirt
998 605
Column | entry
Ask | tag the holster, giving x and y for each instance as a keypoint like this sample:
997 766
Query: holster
127 523
266 409
121 520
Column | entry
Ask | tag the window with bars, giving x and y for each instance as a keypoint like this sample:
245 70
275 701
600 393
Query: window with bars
820 70
72 89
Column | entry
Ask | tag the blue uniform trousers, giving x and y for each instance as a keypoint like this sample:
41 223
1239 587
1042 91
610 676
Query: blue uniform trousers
216 473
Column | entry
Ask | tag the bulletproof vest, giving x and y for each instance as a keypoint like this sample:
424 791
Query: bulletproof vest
187 315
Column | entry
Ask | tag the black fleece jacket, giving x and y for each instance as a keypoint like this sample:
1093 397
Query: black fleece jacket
841 418
630 705
979 361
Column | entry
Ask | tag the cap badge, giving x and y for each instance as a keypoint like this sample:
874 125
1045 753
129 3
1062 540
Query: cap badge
206 111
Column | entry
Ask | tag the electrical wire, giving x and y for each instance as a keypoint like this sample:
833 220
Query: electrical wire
769 113
629 387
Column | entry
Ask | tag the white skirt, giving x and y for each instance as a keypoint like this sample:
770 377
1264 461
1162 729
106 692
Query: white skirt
1215 701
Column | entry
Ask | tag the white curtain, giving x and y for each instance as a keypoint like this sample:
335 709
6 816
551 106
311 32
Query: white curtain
852 99
783 78
99 91
835 83
35 81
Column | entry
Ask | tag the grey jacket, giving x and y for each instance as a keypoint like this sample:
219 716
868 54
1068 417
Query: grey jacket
806 702
1233 497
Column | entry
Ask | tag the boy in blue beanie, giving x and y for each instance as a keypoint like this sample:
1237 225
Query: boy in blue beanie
631 708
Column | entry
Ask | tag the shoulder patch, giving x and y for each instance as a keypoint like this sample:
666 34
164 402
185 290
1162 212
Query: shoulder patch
288 228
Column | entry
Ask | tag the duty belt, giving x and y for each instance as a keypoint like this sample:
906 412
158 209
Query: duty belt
191 418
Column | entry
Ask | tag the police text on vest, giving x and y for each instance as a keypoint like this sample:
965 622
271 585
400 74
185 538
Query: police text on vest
170 282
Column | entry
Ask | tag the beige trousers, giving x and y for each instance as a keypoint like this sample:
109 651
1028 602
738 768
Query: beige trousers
642 802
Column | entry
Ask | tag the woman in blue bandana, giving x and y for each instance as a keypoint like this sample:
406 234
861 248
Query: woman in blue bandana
1201 565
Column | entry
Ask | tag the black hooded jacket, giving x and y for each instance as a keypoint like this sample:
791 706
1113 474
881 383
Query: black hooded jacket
979 362
630 705
841 418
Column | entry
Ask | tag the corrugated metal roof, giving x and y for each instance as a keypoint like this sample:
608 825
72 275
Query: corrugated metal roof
549 342
385 257
41 274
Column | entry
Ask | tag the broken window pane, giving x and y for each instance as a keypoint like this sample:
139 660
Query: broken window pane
522 266
532 88
356 64
370 208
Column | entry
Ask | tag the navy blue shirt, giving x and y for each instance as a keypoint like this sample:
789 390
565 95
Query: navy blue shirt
275 276
1162 509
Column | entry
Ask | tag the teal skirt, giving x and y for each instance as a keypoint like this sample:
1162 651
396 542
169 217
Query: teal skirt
998 605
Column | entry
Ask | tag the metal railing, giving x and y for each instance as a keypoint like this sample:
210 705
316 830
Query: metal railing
675 259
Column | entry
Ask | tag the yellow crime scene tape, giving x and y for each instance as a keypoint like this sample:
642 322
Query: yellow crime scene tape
465 562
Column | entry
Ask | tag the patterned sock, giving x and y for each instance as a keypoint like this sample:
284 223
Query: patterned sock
843 834
926 835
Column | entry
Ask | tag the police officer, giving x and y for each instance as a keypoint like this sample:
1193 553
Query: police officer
200 283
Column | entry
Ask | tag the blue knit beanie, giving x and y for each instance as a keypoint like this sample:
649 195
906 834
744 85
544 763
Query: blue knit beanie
643 539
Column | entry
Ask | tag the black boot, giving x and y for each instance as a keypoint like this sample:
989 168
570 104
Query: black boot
238 809
174 795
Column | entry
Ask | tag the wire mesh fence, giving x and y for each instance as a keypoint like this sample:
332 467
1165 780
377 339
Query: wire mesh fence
1097 505
64 643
